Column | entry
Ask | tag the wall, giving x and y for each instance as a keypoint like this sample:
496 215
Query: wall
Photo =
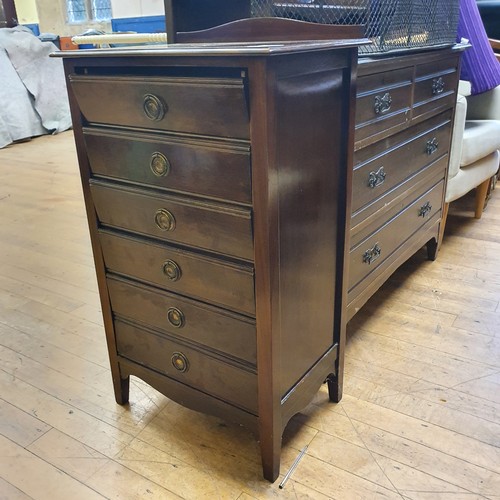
137 8
52 19
26 11
51 14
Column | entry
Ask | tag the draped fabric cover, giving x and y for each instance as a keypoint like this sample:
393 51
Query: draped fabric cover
479 64
33 98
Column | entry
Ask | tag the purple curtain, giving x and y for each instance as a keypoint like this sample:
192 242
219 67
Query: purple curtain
479 64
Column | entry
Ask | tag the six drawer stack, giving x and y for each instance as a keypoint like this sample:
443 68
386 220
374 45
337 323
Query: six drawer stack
173 203
404 122
215 198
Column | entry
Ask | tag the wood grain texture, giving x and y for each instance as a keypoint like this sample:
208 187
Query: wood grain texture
201 106
286 249
195 21
403 133
270 29
218 169
186 221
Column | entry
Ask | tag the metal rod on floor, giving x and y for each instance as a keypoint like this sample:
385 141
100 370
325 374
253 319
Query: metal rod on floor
293 467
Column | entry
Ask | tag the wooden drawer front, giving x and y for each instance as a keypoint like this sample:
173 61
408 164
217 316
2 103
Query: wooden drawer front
187 273
392 202
381 173
209 168
207 225
371 252
431 69
383 80
383 100
187 365
435 91
187 319
205 106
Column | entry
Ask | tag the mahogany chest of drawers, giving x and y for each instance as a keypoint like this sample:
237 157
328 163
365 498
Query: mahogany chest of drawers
215 182
404 116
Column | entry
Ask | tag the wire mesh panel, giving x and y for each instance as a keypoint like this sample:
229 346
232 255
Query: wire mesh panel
391 25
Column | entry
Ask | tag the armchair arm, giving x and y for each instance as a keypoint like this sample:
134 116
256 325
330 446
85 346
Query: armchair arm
457 136
464 88
485 106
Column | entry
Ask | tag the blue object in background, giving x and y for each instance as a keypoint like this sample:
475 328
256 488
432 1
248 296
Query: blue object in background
33 27
146 24
50 37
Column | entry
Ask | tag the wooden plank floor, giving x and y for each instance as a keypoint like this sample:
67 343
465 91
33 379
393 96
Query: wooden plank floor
420 418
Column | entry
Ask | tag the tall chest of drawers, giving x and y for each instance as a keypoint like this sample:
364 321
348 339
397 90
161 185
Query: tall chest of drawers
215 181
404 116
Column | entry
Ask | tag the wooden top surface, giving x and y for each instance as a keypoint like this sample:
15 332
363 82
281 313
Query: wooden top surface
214 49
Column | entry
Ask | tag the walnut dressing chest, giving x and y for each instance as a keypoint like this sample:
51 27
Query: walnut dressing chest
217 183
404 116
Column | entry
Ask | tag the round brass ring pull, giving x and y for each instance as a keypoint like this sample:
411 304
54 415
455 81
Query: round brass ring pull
176 317
172 271
154 107
159 164
164 219
180 362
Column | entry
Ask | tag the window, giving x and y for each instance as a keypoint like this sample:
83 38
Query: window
85 10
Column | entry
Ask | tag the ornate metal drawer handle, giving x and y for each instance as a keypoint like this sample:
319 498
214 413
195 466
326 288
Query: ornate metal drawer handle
432 146
172 271
154 107
376 178
176 317
159 164
382 104
437 86
180 362
425 209
164 219
372 254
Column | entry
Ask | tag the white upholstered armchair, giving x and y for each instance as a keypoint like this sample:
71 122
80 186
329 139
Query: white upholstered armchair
474 157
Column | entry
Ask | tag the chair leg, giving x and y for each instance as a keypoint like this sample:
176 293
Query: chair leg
444 216
481 192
